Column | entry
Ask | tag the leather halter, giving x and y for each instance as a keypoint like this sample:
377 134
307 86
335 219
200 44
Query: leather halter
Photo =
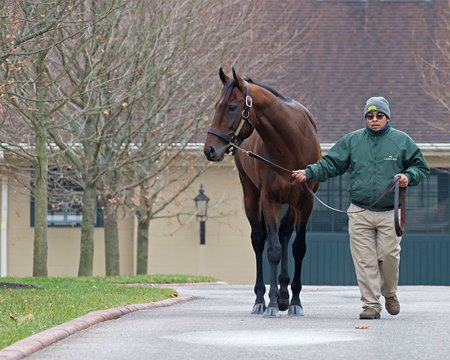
233 137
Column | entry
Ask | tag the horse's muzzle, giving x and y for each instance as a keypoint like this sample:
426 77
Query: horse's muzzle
212 155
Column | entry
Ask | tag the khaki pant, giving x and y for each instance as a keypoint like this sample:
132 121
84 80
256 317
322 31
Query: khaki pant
375 249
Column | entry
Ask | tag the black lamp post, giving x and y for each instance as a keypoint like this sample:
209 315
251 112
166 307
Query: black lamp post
201 203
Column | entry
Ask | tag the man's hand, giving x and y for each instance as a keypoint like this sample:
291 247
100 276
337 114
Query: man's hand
403 180
299 175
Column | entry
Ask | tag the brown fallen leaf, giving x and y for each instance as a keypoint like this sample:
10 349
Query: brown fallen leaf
362 327
174 295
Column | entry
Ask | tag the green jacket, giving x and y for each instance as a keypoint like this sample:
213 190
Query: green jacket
372 159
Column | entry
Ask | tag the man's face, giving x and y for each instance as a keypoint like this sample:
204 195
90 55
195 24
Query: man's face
376 120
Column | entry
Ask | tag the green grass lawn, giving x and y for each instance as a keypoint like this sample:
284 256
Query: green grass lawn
53 301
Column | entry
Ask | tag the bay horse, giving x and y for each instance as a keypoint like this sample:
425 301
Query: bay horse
258 118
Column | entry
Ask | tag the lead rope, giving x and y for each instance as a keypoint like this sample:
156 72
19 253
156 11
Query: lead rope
399 194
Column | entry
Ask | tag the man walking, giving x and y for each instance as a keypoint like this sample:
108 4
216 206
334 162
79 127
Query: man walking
373 155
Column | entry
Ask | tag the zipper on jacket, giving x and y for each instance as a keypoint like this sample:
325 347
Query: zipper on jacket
374 166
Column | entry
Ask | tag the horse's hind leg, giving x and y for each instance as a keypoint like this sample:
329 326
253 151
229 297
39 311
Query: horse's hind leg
271 211
299 251
285 232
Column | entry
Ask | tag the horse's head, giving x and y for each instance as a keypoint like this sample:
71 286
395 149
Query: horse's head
232 118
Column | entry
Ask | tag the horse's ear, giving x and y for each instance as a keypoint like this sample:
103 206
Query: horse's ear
238 80
223 76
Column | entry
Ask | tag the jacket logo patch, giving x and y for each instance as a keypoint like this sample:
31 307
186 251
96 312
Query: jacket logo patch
390 158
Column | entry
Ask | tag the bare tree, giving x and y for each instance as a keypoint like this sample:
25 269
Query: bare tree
196 37
25 21
434 66
128 84
40 95
157 192
26 29
149 72
96 81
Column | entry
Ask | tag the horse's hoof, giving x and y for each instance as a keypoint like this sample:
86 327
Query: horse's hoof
271 312
283 304
259 309
296 310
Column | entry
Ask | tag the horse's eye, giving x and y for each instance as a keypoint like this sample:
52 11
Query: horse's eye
232 107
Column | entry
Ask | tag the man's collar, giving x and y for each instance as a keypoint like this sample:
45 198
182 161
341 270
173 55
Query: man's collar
381 131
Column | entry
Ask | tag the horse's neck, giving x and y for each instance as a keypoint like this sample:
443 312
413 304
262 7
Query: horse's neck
278 130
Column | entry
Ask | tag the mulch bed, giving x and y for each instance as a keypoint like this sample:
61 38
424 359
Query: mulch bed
4 285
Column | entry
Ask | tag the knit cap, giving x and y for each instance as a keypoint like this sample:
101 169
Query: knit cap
377 103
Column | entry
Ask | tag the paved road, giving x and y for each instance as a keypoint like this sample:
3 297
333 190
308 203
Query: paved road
217 324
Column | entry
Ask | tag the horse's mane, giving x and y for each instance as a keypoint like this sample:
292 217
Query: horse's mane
277 93
282 97
230 84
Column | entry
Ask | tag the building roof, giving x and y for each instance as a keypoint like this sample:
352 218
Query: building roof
364 48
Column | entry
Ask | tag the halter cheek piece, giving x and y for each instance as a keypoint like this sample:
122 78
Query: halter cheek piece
233 138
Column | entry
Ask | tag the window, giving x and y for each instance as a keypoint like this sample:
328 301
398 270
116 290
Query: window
65 206
332 192
428 205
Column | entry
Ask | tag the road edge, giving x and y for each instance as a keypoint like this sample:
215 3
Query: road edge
39 341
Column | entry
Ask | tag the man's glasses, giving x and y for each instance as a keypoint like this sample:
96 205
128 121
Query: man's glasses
371 116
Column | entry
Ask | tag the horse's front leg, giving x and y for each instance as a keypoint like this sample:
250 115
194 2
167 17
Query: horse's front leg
271 215
258 236
258 240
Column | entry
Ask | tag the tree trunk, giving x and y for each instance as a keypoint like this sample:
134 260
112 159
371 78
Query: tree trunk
142 245
87 231
40 250
112 255
40 206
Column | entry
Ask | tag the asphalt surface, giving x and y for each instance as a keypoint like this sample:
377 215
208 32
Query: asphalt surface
214 322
